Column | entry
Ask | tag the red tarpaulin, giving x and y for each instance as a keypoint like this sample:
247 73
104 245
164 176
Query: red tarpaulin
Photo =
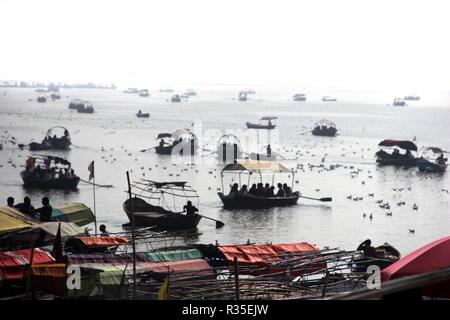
433 256
12 262
261 256
103 242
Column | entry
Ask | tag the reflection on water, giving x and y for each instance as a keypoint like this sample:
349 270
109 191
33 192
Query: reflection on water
325 167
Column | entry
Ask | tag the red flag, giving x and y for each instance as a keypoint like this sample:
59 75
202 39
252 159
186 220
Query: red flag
57 251
91 170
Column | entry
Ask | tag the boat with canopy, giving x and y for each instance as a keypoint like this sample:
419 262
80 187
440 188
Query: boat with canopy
43 171
251 168
396 158
299 97
52 141
324 128
184 140
268 126
168 198
398 102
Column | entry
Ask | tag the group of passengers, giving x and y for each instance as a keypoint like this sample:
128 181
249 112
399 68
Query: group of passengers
261 190
48 173
44 212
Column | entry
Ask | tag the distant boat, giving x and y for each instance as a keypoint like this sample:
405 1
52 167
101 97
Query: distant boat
268 126
398 102
131 90
166 90
242 96
55 96
86 109
299 97
412 98
328 99
176 98
41 99
142 115
144 93
190 92
324 128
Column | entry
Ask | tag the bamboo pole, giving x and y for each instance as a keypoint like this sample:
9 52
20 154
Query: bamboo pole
132 235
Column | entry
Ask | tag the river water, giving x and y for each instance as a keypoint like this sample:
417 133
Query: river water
325 167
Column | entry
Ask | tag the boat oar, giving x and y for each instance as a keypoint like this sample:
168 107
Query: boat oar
144 150
219 224
328 199
98 185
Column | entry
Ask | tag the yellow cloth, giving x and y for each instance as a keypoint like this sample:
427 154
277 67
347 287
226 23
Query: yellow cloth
13 220
163 293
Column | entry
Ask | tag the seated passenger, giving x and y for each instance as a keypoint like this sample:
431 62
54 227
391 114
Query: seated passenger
260 190
67 174
369 251
287 190
266 188
243 189
26 208
61 173
234 189
280 193
252 190
270 192
441 160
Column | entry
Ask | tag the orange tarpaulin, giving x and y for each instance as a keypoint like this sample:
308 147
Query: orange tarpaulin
103 242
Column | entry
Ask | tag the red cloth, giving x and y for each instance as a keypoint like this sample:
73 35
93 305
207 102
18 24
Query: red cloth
103 242
433 256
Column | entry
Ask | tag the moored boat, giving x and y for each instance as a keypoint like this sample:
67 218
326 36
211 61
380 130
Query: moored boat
385 256
324 128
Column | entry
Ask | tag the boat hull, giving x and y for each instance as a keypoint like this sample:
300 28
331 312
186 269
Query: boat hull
428 166
385 159
146 215
67 184
259 126
253 202
329 132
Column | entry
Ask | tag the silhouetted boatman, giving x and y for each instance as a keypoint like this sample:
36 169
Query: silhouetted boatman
269 151
368 250
26 208
10 202
103 231
45 212
190 209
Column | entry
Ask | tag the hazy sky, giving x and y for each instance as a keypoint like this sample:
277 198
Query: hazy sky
361 44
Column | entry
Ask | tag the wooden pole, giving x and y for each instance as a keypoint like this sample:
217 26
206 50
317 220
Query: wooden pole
93 190
236 278
29 271
132 235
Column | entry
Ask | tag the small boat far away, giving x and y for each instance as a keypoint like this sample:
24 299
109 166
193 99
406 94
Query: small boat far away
324 128
328 99
52 141
412 97
140 114
183 140
242 96
176 98
267 126
398 102
41 99
299 97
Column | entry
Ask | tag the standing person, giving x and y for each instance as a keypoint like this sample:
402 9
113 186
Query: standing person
103 231
269 151
10 202
189 209
26 208
45 212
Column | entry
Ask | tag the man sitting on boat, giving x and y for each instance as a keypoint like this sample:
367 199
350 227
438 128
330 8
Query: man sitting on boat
281 193
368 250
26 208
103 231
287 190
45 212
441 160
189 209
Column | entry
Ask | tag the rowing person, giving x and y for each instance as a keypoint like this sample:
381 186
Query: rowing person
369 251
189 209
441 160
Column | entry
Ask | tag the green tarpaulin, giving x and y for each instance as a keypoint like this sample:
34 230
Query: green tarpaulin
169 256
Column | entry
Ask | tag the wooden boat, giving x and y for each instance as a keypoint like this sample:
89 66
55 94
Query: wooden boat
328 99
411 98
299 97
250 201
41 99
176 98
250 167
262 156
242 96
425 165
144 93
183 139
324 128
398 102
268 126
55 96
51 142
142 115
396 158
148 215
190 92
37 176
386 255
86 109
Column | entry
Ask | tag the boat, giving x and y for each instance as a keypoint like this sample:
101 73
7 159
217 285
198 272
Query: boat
131 90
324 128
86 109
242 96
262 156
386 255
398 102
190 92
41 99
425 165
267 126
176 98
81 106
328 99
228 148
252 168
52 142
183 141
161 218
142 115
166 90
412 97
396 158
55 96
44 172
144 93
299 97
